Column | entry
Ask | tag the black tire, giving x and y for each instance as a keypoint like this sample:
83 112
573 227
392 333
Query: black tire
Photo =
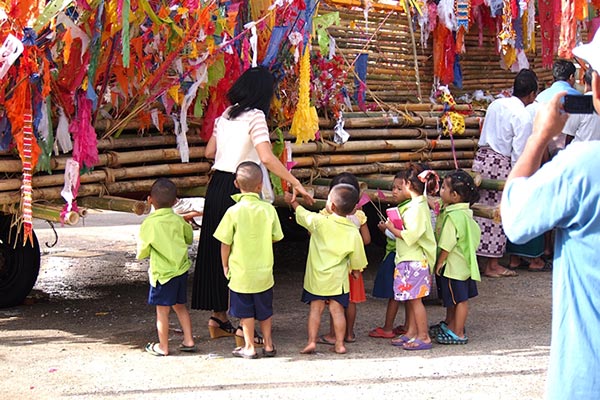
19 265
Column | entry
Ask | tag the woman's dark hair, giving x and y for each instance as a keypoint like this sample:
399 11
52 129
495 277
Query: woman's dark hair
345 177
411 175
253 89
463 184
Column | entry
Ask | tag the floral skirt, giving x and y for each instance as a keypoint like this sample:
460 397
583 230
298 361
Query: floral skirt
412 280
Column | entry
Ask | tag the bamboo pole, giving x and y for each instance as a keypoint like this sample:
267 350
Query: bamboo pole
322 160
380 145
115 204
110 174
52 213
96 189
113 159
127 142
378 168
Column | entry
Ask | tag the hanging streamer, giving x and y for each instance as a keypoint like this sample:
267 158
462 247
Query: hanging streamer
360 79
27 161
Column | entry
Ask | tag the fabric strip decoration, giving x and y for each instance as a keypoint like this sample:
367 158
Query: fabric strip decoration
27 160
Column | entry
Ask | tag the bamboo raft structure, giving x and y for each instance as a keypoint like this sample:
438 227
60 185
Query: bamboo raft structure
380 144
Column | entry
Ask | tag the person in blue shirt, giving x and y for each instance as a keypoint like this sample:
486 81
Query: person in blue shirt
564 194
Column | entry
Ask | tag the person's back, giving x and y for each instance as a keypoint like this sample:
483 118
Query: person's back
164 237
565 194
334 242
247 232
251 225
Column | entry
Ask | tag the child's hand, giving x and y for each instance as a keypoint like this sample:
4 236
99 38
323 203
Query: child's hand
288 197
226 272
389 225
438 269
381 226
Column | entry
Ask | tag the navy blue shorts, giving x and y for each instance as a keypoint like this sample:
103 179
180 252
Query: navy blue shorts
383 287
171 293
251 305
343 299
453 291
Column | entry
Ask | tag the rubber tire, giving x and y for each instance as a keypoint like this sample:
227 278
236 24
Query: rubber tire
19 265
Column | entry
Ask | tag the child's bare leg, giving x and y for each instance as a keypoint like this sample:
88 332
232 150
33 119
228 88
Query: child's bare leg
450 314
266 328
162 326
186 323
420 320
410 322
314 320
350 320
248 328
339 325
390 314
330 337
460 318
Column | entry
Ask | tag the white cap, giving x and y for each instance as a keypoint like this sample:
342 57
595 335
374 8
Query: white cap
590 52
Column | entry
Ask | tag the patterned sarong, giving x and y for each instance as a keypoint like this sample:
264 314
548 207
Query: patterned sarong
491 165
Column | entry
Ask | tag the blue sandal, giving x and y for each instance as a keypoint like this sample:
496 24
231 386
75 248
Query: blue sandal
446 336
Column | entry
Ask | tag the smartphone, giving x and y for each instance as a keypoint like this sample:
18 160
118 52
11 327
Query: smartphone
578 104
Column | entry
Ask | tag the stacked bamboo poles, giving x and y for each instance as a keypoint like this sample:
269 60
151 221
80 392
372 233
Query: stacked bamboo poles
391 62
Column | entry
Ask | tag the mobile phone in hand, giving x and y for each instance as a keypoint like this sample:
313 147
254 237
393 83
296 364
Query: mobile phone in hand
578 104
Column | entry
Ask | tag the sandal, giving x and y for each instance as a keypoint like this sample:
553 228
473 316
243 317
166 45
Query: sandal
399 341
446 336
399 330
154 349
435 329
224 329
239 352
417 344
240 342
380 333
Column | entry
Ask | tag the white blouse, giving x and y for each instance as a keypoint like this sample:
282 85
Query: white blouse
237 138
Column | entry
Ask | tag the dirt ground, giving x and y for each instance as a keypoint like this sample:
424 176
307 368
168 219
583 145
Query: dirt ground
84 333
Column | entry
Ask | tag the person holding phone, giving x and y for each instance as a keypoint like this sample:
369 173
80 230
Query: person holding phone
583 127
564 194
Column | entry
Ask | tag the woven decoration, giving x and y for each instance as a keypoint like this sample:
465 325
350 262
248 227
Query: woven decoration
305 123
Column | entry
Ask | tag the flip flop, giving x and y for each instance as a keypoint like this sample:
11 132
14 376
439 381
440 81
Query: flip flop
417 344
323 340
547 267
189 349
399 330
380 333
351 339
504 274
399 341
239 352
153 349
271 353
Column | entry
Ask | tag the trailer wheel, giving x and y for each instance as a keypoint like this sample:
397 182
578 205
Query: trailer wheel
19 265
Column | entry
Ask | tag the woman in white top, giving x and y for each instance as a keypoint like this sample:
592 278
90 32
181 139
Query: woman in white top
240 134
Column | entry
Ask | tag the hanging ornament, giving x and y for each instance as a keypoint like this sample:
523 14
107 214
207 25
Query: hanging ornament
305 123
507 35
27 161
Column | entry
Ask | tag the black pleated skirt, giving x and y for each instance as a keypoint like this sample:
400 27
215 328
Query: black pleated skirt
210 291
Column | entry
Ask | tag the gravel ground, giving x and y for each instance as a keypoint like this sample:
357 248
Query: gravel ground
83 333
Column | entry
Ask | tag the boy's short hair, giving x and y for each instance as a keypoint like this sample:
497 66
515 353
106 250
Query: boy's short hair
563 70
345 197
164 193
248 175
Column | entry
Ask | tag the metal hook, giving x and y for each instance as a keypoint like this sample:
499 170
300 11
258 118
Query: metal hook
55 235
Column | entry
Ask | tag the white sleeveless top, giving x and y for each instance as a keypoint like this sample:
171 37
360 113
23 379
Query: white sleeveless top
236 139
